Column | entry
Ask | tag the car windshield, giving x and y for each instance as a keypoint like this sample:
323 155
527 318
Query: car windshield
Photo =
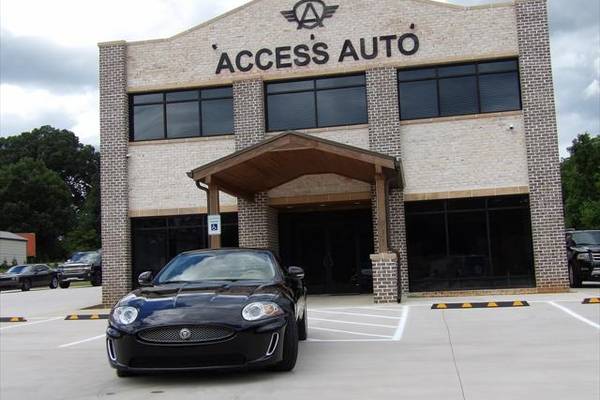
587 238
84 257
18 269
219 266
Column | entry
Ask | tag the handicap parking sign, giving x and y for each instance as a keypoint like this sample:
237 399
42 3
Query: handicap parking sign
214 225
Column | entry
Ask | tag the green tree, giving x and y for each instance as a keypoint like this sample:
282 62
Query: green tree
35 199
581 183
60 150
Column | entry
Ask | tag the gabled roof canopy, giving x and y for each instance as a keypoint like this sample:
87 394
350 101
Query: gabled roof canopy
291 155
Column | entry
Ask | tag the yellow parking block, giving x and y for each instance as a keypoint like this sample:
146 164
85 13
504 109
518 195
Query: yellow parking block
12 319
593 300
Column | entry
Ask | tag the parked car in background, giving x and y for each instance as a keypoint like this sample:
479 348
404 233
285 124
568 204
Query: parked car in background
26 276
583 250
210 309
81 266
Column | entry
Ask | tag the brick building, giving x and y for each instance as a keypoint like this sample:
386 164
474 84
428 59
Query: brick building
395 146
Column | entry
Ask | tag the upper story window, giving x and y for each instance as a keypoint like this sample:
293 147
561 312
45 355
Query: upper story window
462 89
182 114
316 103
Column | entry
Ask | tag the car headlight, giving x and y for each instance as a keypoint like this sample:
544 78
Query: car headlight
584 257
125 315
260 310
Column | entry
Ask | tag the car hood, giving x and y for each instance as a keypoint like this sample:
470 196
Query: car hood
207 303
8 275
585 249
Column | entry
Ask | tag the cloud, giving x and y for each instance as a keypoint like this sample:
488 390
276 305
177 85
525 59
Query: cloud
26 108
36 62
593 89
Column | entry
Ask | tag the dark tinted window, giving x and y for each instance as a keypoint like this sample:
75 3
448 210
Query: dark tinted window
418 99
316 103
459 89
148 122
182 119
480 243
458 96
291 111
217 117
181 114
499 92
341 106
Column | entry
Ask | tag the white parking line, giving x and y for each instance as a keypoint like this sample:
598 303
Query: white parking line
21 324
352 323
350 313
351 333
401 324
575 315
81 341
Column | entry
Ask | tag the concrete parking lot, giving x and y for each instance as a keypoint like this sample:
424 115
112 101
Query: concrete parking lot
549 350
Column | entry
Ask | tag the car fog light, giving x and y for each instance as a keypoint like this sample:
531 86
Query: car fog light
584 257
260 310
125 315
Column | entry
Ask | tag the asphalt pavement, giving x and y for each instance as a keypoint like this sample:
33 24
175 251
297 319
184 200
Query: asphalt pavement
356 350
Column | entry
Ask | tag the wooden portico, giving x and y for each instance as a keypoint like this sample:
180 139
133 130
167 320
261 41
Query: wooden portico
290 155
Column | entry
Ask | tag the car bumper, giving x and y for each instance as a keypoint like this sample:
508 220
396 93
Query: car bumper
251 348
78 276
9 285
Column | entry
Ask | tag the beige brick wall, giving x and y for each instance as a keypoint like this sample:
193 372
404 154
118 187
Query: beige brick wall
445 33
464 154
157 172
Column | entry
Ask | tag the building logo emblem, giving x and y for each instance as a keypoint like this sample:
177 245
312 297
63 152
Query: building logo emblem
309 14
185 334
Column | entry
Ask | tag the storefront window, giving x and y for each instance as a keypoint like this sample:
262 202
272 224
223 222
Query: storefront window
182 114
459 89
155 241
481 243
316 103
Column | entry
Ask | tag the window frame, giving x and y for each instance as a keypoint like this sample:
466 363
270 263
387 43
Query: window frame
166 102
314 91
477 74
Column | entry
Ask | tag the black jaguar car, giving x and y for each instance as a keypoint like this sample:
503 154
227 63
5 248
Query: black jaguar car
210 309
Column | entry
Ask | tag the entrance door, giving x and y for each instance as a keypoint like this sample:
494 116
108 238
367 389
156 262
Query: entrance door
332 247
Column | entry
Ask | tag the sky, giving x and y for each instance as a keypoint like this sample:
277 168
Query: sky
49 57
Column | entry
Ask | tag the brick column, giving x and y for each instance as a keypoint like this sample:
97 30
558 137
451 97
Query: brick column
384 137
541 139
385 277
114 142
257 222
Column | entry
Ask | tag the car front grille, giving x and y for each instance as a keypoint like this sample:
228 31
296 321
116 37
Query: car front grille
596 257
197 334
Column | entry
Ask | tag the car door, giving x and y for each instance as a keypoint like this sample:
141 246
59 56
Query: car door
41 276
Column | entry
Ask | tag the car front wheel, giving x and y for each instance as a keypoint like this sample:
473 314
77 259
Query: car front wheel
65 285
54 283
290 349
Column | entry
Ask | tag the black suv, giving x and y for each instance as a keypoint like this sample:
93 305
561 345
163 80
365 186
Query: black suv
583 250
82 266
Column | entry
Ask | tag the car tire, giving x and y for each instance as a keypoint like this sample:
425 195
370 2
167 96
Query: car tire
96 280
574 279
25 285
121 373
290 349
54 283
64 285
303 327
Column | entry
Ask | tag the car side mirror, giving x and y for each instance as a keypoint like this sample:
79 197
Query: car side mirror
296 273
145 278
